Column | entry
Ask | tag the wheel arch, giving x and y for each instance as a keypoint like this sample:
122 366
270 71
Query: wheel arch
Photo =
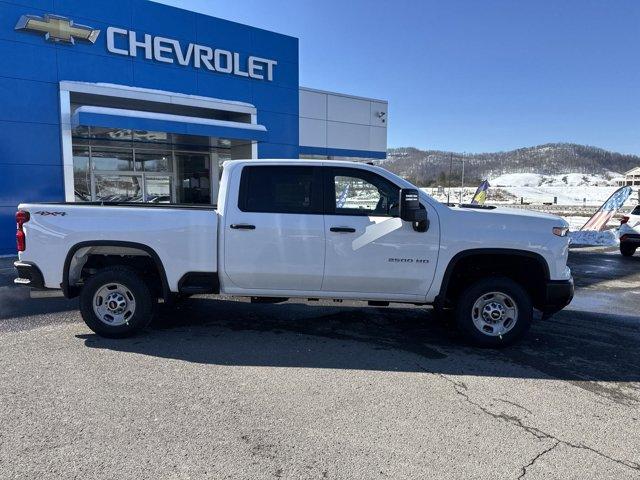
70 292
465 256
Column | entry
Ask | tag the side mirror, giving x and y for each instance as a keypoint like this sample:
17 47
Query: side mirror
412 211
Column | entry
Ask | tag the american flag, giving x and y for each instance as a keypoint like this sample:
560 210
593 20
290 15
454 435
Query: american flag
599 220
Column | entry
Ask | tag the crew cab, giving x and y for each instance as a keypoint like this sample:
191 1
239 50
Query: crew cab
301 229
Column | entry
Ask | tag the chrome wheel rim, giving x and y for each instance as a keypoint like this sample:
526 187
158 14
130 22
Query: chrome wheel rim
114 304
494 314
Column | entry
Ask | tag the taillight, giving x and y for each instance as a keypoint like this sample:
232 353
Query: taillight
624 220
22 217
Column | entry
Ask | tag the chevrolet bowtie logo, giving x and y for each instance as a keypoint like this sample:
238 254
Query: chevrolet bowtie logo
57 29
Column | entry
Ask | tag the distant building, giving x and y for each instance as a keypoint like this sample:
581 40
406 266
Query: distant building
631 178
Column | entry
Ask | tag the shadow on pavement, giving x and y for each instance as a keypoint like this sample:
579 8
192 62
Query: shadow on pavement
16 303
571 346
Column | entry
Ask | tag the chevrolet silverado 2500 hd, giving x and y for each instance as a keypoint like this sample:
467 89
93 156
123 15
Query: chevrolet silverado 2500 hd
307 229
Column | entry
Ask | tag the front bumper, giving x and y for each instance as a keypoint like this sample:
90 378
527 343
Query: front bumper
29 275
557 295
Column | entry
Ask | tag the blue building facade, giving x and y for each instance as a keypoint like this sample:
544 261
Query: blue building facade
134 100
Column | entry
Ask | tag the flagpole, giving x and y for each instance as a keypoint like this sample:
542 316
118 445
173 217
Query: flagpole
449 183
462 188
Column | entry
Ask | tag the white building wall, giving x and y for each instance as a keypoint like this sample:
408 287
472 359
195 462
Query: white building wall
335 121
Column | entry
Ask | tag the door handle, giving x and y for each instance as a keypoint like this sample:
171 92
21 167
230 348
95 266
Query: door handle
343 229
243 226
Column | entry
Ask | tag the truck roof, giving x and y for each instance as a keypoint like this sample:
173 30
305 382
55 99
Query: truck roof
294 161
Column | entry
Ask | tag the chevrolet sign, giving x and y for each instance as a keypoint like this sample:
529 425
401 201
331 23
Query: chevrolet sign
57 29
164 50
167 50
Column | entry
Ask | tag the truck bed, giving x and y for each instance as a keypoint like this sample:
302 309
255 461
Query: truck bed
183 237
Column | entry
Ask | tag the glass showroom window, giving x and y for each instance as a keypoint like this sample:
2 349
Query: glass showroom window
113 165
106 174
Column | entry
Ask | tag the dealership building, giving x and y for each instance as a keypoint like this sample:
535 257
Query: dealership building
131 100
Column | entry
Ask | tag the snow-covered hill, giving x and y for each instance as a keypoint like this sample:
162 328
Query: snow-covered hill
564 189
430 168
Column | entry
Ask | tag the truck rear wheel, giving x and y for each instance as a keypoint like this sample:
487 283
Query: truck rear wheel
627 249
494 312
116 302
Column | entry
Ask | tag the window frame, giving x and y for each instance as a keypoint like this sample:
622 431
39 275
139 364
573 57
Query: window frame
316 207
330 173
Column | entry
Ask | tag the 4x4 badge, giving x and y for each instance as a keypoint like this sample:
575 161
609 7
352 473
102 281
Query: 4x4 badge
52 214
57 28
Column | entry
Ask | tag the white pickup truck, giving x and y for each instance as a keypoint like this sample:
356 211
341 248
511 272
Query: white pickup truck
301 229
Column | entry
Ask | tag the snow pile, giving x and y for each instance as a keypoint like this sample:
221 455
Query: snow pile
608 238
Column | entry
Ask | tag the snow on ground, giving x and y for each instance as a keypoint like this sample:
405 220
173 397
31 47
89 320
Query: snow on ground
567 189
584 195
571 189
560 180
608 238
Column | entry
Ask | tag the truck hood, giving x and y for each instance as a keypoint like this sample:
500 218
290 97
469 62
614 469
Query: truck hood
517 212
512 215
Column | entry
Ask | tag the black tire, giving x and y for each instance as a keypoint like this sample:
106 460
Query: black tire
467 299
142 294
627 249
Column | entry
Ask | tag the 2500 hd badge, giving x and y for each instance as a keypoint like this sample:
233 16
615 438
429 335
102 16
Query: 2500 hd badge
408 260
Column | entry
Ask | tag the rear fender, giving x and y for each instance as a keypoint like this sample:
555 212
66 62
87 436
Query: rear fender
77 257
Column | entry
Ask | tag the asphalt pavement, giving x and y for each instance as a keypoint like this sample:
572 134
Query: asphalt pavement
227 389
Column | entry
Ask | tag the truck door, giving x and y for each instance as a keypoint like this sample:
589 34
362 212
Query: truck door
369 248
274 238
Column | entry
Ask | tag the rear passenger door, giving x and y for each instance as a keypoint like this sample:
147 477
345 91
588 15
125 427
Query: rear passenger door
274 238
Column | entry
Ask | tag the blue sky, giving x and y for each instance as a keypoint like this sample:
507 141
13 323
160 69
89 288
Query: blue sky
467 75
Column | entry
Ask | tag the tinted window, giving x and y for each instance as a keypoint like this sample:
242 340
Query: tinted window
359 192
272 189
636 211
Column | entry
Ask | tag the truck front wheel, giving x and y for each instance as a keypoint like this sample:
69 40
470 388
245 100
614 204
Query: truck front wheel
116 302
493 312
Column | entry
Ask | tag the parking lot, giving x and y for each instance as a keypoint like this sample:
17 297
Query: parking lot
220 389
